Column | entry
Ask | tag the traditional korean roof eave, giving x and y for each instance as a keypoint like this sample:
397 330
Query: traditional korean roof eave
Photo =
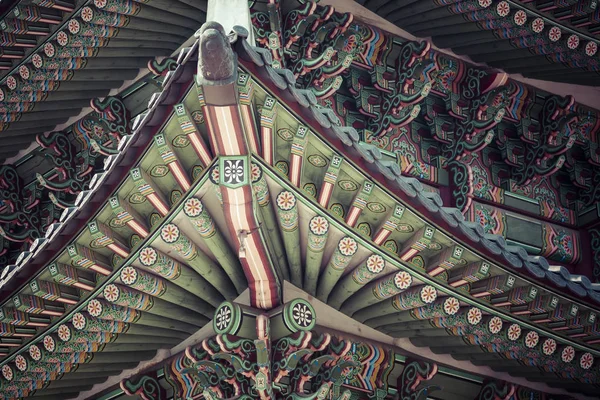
116 169
586 94
542 41
430 205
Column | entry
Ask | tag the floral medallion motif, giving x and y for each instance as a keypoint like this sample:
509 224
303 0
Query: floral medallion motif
49 49
318 225
348 186
11 82
375 263
586 361
35 352
317 160
223 317
62 38
87 14
532 339
286 200
495 325
192 207
180 141
24 72
64 333
100 3
514 332
485 3
94 308
568 354
377 208
21 363
537 25
302 315
549 346
402 280
49 343
255 172
428 294
591 48
451 305
573 42
285 134
347 246
148 256
554 34
474 316
79 321
111 293
129 275
159 171
520 18
7 373
503 9
74 26
169 233
37 61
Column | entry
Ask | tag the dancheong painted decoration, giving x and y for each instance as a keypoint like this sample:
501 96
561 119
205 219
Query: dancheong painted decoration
299 200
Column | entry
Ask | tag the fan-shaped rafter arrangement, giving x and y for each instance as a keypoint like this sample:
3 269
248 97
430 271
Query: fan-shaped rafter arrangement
239 176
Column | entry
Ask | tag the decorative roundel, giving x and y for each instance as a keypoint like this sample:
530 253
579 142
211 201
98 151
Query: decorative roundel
100 3
299 315
37 61
94 308
520 17
428 294
87 14
503 8
255 172
549 346
7 373
573 42
192 207
495 325
62 38
49 49
111 293
24 72
74 26
375 263
129 275
318 225
148 256
485 3
11 82
537 25
591 48
2 97
35 352
451 305
474 316
49 343
568 354
554 34
402 280
347 246
169 233
514 332
79 321
64 333
227 318
586 361
532 339
21 363
286 200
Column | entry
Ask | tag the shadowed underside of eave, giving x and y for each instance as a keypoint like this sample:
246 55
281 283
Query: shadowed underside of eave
540 40
56 59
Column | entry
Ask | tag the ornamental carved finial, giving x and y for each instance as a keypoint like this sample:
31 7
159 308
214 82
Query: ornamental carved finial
217 64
